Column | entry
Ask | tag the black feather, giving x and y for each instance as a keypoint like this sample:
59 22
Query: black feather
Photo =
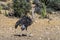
25 20
17 23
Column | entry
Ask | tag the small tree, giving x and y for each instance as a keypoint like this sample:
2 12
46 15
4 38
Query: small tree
21 7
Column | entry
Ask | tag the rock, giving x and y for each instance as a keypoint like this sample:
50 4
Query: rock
30 35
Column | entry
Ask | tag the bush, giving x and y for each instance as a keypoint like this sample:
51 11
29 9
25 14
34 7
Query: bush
54 4
21 7
41 7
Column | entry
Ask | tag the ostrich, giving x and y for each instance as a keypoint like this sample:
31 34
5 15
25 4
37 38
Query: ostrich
24 22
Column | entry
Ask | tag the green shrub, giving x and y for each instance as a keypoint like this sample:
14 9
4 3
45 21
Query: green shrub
6 13
43 11
21 7
0 7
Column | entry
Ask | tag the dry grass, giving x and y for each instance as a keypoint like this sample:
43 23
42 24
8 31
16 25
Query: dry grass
41 29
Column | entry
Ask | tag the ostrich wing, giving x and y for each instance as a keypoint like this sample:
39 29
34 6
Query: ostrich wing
17 23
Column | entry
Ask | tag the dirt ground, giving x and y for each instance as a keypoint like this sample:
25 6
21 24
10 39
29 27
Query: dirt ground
42 29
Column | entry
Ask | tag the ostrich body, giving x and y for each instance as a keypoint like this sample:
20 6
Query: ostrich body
24 22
